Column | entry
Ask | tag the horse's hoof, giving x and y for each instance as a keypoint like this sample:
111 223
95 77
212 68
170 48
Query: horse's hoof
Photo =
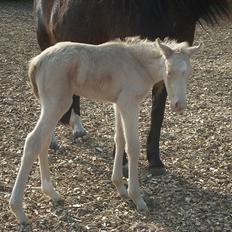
54 146
157 171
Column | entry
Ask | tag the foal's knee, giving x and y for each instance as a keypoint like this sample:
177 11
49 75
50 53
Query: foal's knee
133 151
119 139
14 204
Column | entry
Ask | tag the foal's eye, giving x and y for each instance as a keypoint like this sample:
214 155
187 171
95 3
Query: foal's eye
183 73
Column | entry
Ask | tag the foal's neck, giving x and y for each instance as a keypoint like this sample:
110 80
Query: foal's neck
152 60
156 69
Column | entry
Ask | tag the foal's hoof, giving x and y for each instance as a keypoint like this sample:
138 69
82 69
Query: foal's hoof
54 146
123 192
157 171
25 226
142 206
59 202
79 134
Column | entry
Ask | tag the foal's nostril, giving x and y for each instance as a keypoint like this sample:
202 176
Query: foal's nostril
177 105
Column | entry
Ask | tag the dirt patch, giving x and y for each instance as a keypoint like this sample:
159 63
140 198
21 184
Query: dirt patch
195 195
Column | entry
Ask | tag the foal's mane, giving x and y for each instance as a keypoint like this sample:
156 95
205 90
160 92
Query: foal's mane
137 41
149 46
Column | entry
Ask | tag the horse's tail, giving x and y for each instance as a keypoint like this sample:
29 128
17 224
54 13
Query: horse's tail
32 71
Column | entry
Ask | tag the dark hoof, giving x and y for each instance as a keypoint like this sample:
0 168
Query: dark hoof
157 171
54 146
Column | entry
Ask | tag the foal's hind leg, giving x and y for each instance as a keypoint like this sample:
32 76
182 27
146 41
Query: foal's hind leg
55 112
119 140
37 143
46 184
32 148
34 144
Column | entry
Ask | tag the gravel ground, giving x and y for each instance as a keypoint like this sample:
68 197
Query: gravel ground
195 195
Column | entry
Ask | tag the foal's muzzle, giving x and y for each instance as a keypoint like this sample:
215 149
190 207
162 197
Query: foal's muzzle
178 106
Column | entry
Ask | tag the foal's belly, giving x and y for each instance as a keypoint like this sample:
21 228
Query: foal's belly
96 92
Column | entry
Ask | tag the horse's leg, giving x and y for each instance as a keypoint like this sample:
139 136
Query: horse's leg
37 143
129 115
119 140
159 96
75 120
43 36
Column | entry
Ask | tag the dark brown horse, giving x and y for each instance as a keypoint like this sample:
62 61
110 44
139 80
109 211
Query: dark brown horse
97 21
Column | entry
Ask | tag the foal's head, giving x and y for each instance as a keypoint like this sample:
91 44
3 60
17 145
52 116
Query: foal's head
177 71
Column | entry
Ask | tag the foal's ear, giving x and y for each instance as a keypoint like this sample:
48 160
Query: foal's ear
165 50
192 50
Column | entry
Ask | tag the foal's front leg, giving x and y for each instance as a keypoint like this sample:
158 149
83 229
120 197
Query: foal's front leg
119 140
130 118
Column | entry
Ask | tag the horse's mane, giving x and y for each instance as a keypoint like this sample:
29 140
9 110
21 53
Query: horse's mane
192 10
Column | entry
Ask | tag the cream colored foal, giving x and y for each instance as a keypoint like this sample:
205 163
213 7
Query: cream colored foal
118 72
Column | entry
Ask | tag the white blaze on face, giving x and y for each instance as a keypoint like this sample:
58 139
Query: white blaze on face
178 68
176 83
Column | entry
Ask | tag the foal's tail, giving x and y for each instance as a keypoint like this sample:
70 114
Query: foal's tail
32 71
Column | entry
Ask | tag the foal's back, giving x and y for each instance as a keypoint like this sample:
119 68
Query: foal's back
99 72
